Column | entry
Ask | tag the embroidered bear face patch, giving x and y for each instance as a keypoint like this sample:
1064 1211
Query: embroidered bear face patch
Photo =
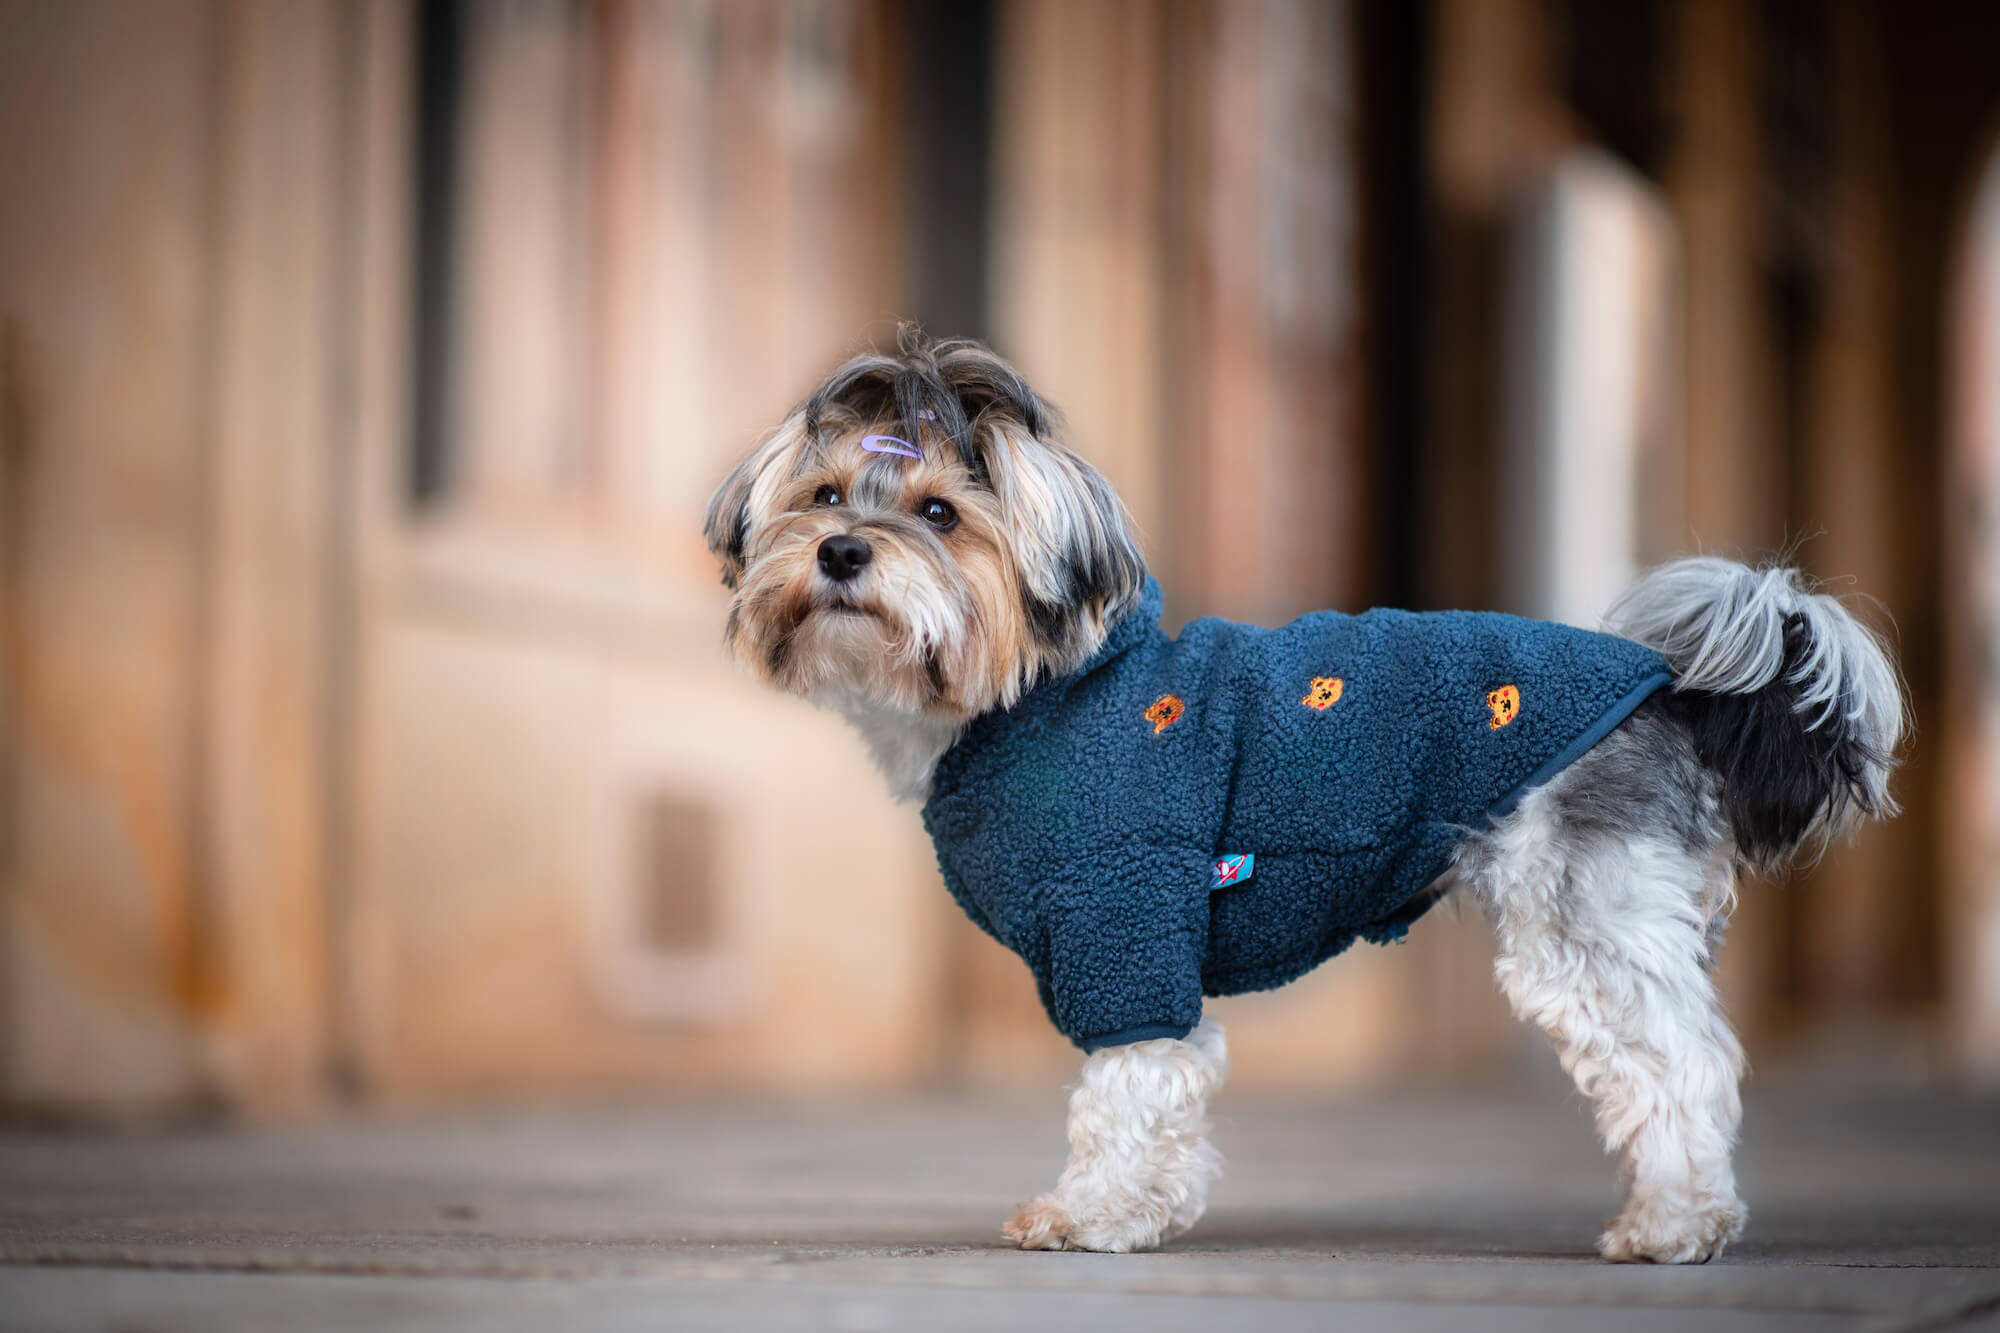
1325 692
1506 705
1165 711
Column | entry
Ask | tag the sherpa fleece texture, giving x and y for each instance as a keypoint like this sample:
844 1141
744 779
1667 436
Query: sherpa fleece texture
1081 827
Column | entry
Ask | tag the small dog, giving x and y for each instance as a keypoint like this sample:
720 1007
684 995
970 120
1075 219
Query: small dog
1146 820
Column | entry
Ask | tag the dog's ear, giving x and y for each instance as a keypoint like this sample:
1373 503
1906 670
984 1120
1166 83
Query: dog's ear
1080 566
745 493
727 523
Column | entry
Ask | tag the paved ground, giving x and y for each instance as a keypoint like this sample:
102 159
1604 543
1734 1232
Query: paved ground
1879 1212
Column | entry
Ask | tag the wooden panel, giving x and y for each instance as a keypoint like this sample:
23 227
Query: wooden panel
1735 488
1270 497
106 308
1077 230
286 207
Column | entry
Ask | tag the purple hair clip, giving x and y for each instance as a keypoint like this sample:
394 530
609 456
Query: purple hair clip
889 444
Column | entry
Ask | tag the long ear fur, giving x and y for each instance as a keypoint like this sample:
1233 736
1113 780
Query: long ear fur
1081 570
728 520
749 483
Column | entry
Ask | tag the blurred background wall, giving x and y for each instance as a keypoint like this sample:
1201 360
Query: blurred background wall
365 733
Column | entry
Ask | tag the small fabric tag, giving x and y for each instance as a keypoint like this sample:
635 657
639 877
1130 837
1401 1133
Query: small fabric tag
1232 868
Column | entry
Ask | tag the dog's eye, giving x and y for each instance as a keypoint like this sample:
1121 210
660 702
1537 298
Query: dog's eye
938 513
827 495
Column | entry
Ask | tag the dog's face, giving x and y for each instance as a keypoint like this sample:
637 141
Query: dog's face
942 584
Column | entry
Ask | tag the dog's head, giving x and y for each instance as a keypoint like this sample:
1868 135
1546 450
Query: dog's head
914 537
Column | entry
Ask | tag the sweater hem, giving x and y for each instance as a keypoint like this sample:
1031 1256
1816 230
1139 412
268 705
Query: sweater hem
1576 749
1126 1036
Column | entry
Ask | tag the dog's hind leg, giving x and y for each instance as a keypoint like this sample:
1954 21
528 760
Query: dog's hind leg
1140 1163
1606 907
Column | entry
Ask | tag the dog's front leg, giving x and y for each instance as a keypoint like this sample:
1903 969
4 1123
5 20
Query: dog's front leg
1140 1163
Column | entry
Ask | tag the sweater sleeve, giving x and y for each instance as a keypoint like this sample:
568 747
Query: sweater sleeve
1126 936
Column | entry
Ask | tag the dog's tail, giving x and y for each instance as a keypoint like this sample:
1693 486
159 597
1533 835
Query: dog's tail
1791 701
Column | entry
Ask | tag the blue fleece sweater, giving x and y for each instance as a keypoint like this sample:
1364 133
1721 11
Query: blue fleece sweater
1224 811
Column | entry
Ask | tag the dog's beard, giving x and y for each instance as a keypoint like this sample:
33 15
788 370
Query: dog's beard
843 651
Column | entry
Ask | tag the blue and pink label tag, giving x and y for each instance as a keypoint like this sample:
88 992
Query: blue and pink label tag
1232 868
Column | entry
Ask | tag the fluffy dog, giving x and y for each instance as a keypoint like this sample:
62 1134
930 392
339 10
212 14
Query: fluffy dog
1145 820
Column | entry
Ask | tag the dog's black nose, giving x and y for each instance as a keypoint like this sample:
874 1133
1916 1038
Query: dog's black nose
842 556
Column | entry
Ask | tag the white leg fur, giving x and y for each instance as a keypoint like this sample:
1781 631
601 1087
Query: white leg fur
1140 1163
1605 945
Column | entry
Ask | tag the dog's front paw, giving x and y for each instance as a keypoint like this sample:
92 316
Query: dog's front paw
1044 1224
1038 1224
1688 1232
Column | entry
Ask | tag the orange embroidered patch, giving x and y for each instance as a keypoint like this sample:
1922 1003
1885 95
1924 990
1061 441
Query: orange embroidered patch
1325 692
1166 711
1506 705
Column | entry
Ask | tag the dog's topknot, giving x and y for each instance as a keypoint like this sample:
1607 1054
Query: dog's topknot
950 388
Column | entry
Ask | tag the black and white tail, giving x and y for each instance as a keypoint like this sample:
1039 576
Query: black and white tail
1791 701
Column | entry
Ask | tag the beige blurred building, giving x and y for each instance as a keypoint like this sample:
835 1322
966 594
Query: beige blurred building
365 367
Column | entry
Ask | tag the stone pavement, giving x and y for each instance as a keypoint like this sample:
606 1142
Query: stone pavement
1873 1211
